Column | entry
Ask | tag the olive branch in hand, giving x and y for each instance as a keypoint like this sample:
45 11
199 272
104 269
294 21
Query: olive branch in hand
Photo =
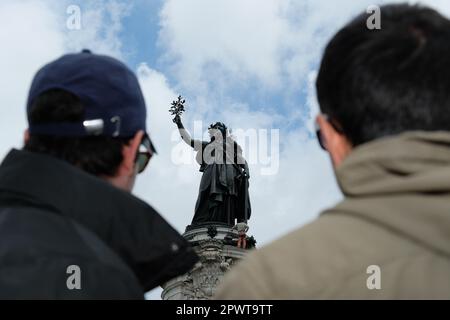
177 107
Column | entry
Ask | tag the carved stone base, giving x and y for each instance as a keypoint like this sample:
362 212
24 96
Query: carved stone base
215 244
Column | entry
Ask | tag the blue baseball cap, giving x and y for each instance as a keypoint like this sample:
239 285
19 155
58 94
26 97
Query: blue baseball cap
107 88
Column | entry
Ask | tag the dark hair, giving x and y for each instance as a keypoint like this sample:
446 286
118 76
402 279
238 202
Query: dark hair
378 83
221 127
97 155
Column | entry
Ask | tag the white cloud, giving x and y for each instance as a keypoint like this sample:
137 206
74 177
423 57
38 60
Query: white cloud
30 37
212 45
271 42
101 26
242 37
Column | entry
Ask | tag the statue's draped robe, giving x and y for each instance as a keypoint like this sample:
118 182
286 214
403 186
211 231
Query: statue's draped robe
223 193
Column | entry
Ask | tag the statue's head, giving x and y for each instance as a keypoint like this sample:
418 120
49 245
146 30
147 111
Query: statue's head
218 130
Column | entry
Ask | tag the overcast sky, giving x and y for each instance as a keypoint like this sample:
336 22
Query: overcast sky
248 63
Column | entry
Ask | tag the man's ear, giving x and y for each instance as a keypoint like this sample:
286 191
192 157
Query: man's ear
26 136
129 152
337 144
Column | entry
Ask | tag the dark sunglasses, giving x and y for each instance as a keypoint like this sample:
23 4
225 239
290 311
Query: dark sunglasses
145 153
320 137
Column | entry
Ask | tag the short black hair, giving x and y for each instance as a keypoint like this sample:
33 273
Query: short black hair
97 155
378 83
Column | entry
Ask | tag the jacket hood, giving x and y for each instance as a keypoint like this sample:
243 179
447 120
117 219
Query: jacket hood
402 183
134 230
411 162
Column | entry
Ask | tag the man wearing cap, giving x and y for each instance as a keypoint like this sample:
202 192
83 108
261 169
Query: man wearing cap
69 226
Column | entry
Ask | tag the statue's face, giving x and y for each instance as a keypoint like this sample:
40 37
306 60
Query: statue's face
214 132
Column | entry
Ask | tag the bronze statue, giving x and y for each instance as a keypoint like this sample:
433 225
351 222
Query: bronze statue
223 195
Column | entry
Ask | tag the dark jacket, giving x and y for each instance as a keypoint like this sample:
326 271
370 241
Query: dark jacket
53 215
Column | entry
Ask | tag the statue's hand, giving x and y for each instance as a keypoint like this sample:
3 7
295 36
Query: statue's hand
177 119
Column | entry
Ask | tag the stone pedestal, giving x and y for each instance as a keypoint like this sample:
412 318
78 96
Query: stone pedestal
215 244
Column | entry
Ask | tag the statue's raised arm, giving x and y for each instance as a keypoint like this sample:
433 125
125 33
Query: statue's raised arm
177 110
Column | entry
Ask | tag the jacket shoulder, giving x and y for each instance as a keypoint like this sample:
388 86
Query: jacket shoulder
297 266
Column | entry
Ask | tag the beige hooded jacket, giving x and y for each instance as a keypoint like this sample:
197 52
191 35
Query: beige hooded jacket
389 238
